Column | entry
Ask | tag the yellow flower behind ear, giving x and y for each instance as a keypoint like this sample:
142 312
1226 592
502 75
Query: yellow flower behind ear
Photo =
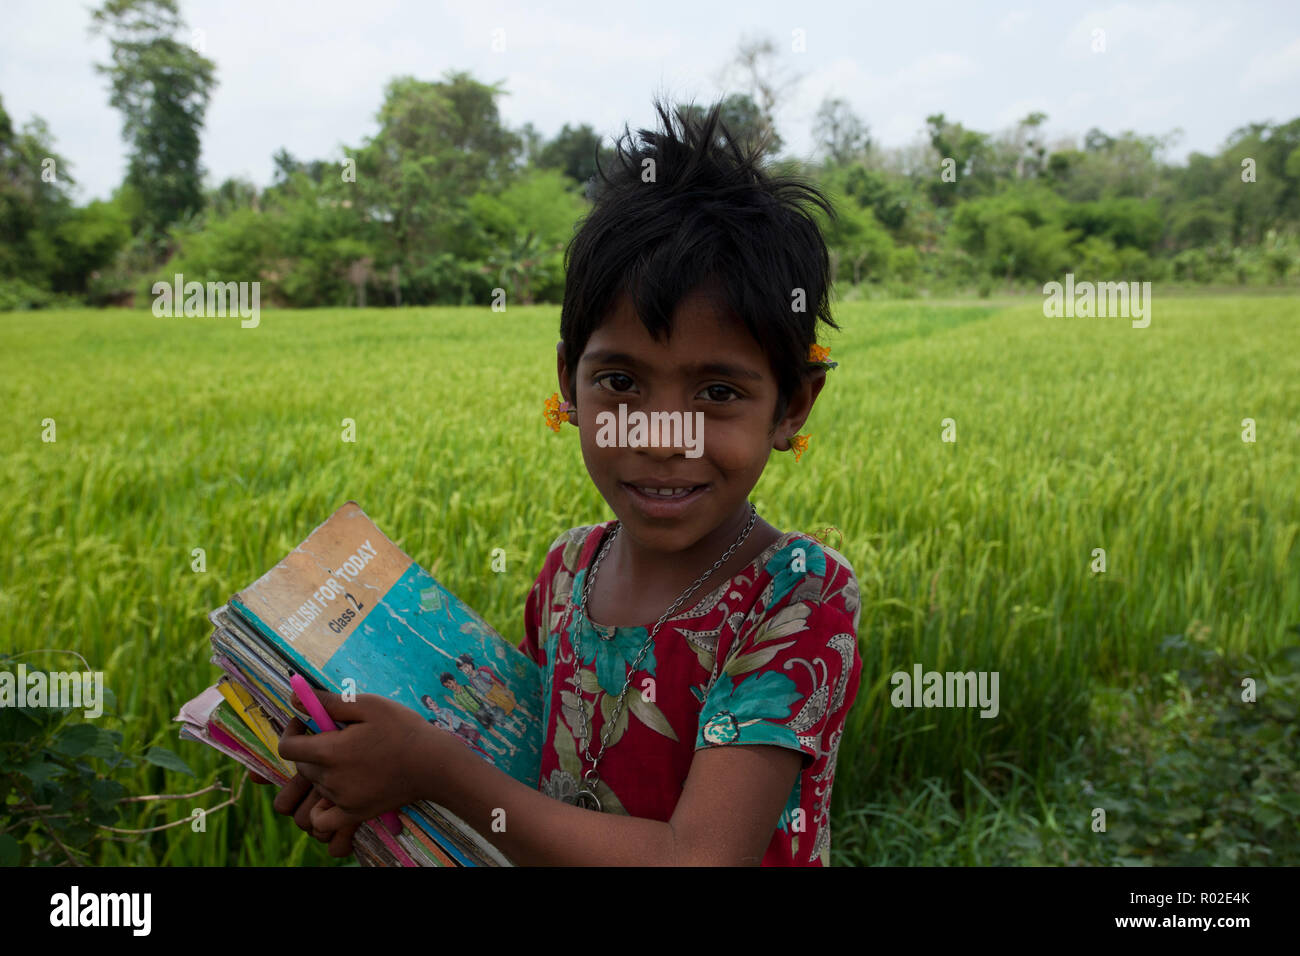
552 413
557 412
799 444
820 356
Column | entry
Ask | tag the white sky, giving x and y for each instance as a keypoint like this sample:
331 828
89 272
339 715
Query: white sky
309 76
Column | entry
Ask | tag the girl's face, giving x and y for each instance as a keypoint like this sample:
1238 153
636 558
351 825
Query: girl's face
710 364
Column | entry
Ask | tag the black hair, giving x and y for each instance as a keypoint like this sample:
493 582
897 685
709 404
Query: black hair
446 677
712 216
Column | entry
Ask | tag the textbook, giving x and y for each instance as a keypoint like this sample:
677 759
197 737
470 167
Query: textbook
353 614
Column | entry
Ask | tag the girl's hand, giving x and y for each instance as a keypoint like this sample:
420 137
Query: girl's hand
355 773
298 798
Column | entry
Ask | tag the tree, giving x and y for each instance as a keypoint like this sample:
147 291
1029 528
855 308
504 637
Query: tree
522 232
162 88
287 166
574 151
1274 196
359 272
739 120
232 194
532 142
762 79
30 207
1095 141
1018 233
859 246
971 156
887 196
44 240
438 145
1026 146
839 132
88 239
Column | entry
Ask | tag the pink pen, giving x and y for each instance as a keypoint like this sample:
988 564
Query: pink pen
317 711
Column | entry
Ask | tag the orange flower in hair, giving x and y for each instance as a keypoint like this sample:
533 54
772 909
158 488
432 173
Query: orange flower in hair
799 444
820 355
556 412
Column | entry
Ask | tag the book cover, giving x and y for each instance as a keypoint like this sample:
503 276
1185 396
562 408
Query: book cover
355 613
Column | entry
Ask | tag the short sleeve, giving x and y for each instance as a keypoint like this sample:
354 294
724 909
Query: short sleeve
792 673
533 616
537 606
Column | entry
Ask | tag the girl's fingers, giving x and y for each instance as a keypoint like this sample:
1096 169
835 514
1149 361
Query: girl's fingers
330 820
292 794
303 815
341 844
299 746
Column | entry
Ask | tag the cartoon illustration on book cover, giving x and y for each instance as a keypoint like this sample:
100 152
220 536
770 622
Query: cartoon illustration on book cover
444 718
477 694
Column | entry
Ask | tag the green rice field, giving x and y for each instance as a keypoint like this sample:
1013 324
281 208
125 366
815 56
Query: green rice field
1120 690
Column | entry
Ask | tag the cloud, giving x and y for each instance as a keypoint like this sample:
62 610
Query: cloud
932 73
929 79
1158 36
1272 69
1013 20
593 40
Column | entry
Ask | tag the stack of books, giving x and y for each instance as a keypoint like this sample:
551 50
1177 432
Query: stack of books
353 614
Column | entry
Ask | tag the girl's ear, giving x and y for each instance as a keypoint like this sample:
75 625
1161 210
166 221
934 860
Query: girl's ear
563 374
797 412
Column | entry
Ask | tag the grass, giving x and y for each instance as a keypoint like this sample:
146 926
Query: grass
1072 435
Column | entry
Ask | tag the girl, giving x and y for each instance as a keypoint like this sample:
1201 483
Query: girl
699 663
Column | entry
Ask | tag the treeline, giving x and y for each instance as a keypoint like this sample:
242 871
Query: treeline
966 209
445 204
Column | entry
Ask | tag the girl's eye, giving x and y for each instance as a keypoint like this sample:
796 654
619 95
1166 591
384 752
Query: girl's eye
721 393
621 382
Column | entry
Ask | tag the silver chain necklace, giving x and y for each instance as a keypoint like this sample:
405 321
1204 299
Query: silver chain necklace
586 797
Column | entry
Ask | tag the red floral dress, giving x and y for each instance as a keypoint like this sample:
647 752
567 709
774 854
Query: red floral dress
784 632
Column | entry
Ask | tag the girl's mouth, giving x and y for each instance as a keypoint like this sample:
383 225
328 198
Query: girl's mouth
663 502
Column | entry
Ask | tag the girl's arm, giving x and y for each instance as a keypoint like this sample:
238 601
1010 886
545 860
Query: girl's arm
729 809
389 756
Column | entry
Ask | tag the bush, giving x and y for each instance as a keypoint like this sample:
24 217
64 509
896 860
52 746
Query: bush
57 792
1200 770
16 295
1191 266
1096 259
905 263
1018 234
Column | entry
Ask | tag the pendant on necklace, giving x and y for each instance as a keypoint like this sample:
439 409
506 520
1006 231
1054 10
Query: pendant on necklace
586 797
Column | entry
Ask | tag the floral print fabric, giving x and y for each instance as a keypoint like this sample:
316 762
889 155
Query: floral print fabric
783 632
